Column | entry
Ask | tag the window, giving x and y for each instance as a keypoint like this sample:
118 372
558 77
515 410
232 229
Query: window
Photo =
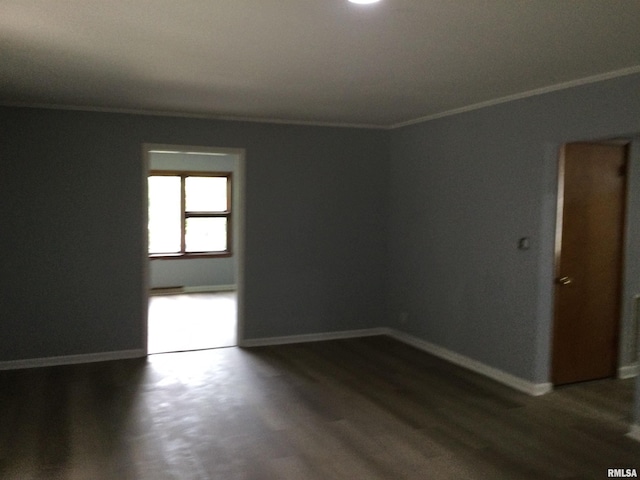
189 214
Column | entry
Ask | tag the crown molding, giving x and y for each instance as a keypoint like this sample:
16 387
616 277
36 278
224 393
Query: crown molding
519 96
279 121
197 116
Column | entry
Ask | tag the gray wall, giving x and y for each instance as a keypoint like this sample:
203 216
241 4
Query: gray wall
631 281
632 270
195 272
205 272
636 413
331 225
71 247
463 190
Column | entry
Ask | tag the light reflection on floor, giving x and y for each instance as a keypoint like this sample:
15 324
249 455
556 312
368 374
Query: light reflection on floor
192 321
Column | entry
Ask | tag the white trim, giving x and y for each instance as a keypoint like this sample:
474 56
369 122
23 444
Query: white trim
72 359
200 116
311 337
530 388
512 381
151 147
230 118
519 96
210 288
634 432
195 289
145 281
629 371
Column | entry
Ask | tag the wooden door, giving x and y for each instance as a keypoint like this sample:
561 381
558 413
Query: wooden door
588 262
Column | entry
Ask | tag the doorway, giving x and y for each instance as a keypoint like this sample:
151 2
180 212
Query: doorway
589 261
192 321
194 224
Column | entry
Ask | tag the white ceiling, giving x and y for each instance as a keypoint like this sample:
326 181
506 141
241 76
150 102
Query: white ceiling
317 61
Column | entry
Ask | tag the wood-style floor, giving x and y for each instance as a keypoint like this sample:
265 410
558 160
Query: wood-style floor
369 408
192 321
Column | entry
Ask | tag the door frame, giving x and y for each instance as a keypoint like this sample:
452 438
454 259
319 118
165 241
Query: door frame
239 182
557 251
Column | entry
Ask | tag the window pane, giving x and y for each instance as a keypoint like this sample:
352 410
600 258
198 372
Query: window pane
206 235
206 194
164 214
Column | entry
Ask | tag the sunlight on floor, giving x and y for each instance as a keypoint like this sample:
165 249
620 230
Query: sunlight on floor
192 321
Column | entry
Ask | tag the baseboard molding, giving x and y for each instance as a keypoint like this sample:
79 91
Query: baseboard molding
629 371
517 383
195 289
634 432
478 367
72 359
210 288
512 381
311 337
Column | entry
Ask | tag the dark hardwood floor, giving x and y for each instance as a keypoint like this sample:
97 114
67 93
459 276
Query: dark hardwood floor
368 408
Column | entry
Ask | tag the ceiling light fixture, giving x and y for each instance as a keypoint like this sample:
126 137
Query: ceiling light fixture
363 2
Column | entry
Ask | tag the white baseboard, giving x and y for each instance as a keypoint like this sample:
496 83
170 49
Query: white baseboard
517 383
210 288
311 337
195 289
628 371
466 362
72 359
634 432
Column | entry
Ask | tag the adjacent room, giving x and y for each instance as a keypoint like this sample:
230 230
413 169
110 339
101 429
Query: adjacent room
381 196
194 212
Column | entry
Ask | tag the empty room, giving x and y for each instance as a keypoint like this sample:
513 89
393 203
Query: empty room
429 218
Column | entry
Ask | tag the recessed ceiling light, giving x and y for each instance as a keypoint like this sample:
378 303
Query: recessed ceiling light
364 1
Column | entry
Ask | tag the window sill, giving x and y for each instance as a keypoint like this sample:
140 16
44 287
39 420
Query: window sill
185 256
